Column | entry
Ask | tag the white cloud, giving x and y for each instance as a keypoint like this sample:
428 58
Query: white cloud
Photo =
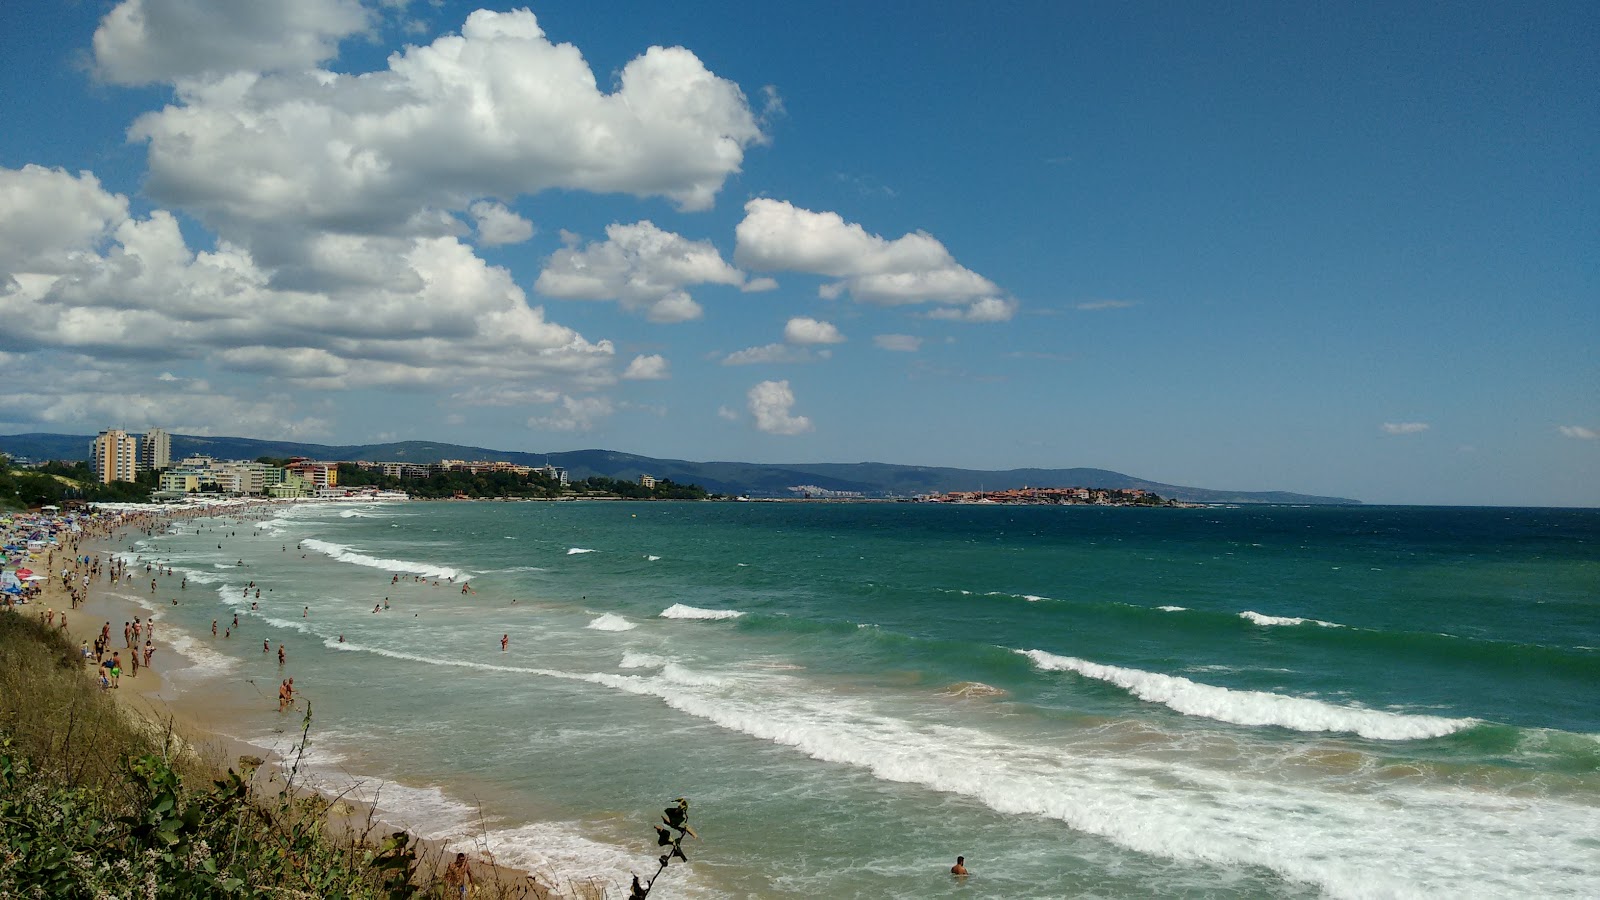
496 111
498 225
90 392
900 343
986 309
641 266
732 415
778 236
145 41
770 405
575 414
391 311
1404 427
647 368
772 353
801 330
1096 305
1579 432
48 217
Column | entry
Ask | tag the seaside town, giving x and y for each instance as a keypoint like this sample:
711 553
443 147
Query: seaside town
124 466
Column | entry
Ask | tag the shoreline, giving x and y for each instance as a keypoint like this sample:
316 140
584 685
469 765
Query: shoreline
158 701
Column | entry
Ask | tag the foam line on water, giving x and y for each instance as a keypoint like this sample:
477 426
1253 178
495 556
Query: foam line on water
1270 621
355 557
1254 707
574 551
683 611
1355 844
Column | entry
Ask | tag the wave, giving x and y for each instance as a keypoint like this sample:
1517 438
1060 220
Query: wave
1173 608
680 611
573 551
1483 843
355 557
611 622
557 854
652 558
1260 619
972 689
1254 708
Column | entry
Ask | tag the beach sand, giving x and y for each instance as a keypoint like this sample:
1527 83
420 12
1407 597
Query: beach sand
204 721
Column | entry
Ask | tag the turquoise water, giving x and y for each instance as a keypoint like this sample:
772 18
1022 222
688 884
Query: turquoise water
1259 702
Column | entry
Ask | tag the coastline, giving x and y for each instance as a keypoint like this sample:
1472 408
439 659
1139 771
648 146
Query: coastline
206 722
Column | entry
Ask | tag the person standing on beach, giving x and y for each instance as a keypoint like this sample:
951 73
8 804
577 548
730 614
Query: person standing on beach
266 646
458 877
280 654
504 640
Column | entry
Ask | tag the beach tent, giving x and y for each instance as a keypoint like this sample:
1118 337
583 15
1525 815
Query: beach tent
9 582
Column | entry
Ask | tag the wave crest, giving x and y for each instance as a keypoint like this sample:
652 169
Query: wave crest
680 611
1254 708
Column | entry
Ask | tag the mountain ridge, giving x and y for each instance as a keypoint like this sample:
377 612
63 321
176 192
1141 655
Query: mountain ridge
872 479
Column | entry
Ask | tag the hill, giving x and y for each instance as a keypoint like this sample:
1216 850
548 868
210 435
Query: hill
871 479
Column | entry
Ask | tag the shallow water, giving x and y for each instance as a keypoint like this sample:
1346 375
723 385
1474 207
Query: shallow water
1261 702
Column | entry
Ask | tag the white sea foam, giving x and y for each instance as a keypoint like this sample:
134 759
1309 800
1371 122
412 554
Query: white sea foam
1254 707
1033 598
632 660
558 854
573 551
611 622
1479 843
1173 608
652 558
680 611
355 557
1260 619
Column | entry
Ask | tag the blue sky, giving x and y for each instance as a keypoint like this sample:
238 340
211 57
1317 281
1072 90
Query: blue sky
1281 247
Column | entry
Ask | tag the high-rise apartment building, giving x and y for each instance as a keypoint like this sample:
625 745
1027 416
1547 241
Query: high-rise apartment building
155 450
114 456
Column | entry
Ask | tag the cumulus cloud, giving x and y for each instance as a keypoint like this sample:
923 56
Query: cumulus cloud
802 330
498 225
647 368
48 217
98 281
900 343
640 265
778 236
732 415
146 41
574 414
1404 427
64 396
770 403
497 111
1579 432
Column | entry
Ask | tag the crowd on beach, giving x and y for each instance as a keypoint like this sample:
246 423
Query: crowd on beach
47 558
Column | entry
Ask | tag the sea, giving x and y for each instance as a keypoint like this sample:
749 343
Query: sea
1252 702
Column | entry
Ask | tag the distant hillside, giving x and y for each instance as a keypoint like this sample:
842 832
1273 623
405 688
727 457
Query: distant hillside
752 479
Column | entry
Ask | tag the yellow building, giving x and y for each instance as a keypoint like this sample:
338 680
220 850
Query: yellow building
114 456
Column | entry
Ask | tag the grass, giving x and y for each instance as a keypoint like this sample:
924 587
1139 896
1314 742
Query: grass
95 803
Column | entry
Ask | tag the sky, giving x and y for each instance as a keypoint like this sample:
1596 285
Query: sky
1338 249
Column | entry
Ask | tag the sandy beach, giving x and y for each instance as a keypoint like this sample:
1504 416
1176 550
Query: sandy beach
171 696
